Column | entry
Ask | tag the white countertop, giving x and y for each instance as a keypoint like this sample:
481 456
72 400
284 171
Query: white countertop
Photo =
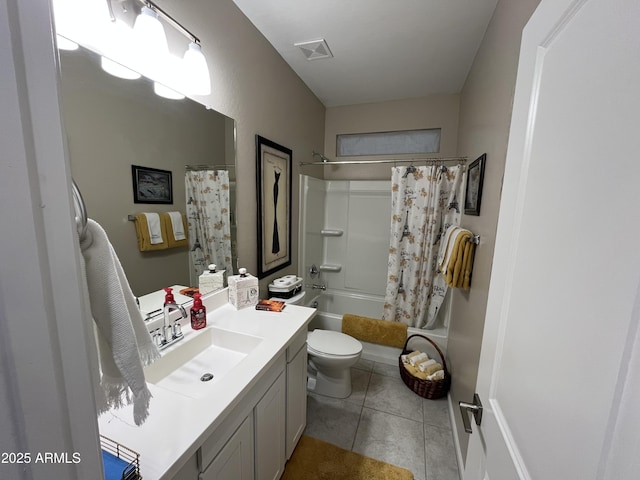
177 425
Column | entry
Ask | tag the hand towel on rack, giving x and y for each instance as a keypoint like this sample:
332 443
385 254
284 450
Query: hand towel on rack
446 247
124 344
457 272
155 229
175 225
144 236
468 264
456 260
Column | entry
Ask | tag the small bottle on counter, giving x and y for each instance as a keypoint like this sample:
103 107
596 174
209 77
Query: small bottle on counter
198 313
211 280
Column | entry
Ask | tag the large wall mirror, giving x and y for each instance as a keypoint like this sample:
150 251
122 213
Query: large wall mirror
112 124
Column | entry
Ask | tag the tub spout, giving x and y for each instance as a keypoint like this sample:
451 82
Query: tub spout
316 286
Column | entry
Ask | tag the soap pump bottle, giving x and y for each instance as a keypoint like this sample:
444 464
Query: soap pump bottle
198 313
168 296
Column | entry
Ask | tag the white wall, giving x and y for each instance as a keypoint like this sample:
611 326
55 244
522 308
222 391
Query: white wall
361 212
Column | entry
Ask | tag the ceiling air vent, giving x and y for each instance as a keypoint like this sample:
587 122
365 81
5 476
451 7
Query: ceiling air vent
315 49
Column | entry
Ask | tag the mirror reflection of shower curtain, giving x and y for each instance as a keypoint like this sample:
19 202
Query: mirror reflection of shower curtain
425 201
208 214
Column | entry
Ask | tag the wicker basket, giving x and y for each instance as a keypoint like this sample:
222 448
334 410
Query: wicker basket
430 389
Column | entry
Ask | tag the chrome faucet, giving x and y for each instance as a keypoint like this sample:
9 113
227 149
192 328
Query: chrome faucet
316 286
171 333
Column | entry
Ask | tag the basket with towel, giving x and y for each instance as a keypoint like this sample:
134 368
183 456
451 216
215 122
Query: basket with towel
426 377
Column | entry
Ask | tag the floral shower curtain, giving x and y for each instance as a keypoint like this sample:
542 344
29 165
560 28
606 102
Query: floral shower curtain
425 202
207 197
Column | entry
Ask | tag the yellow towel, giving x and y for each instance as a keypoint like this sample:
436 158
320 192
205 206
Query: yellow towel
167 227
456 260
382 332
468 265
142 232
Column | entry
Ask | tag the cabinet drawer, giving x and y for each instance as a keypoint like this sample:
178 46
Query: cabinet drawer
296 344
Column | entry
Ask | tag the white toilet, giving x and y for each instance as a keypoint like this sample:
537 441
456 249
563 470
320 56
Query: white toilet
331 356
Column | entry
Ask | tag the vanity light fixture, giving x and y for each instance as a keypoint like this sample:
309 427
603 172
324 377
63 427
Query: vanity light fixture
195 66
119 59
195 78
151 42
127 50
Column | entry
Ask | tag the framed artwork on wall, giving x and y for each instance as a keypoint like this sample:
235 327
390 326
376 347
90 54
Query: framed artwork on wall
151 185
273 172
473 193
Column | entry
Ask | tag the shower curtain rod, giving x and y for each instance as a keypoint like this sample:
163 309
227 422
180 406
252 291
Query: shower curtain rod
432 161
208 167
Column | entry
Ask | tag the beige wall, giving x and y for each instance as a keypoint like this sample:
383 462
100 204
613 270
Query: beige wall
254 85
485 115
436 111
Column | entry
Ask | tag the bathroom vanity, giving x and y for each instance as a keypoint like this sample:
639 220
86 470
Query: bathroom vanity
241 424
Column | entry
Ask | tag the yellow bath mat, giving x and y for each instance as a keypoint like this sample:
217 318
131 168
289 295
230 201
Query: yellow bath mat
382 332
317 460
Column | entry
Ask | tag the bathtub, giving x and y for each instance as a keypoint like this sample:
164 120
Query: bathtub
332 304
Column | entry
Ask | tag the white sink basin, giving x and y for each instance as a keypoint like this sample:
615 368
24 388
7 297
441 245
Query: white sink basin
192 365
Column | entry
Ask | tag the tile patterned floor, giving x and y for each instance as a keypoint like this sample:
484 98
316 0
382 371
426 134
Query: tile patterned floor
384 419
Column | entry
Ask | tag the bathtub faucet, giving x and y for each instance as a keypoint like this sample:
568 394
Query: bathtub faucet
317 287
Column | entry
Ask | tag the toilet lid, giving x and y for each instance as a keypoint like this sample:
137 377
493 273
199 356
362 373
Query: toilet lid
333 343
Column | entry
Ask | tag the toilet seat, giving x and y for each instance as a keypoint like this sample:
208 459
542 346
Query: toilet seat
329 342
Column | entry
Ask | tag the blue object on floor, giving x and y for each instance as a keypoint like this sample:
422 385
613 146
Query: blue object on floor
115 468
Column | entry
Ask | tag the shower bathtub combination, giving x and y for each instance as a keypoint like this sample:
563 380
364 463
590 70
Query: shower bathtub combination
344 254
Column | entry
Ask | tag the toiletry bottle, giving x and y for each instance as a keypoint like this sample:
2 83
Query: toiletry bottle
198 313
168 296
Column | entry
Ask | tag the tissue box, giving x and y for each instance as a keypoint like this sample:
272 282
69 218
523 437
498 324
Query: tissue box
243 290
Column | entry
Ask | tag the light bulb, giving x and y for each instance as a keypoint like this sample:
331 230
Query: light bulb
196 71
151 42
166 92
119 52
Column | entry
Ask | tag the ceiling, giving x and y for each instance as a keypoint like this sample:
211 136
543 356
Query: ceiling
382 49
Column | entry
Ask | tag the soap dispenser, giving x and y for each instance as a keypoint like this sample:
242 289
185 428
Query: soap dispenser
168 296
198 313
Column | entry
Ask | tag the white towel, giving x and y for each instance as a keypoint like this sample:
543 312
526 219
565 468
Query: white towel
155 231
452 233
124 344
178 226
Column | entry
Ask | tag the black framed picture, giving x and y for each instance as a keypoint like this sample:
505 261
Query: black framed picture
151 185
273 172
473 193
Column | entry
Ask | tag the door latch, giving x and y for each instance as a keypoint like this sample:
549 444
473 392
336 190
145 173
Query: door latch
475 408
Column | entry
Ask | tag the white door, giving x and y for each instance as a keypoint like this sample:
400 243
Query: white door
560 327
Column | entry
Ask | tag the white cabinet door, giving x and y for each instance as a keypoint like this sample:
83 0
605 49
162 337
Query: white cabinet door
235 460
296 399
270 420
555 368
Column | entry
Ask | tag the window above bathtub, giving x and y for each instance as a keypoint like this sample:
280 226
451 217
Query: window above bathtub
402 142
